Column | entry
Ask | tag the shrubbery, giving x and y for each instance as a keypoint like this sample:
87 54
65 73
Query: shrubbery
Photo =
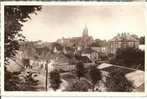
80 70
117 82
129 57
95 75
20 81
55 80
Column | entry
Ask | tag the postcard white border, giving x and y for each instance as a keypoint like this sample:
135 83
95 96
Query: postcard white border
44 93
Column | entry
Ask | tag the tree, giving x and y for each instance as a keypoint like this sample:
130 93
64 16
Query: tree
26 63
14 18
80 70
99 43
81 85
58 46
55 80
11 81
129 57
116 82
142 40
43 52
95 75
28 48
84 59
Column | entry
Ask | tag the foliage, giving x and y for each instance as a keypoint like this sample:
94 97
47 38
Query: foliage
98 43
84 59
14 18
80 70
103 56
81 85
28 48
116 82
34 50
43 52
129 57
95 75
57 46
55 80
17 81
142 40
29 83
25 62
11 81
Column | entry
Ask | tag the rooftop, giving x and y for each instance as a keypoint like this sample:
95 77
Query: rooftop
125 36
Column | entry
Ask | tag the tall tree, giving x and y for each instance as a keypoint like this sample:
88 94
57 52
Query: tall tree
95 75
129 57
142 40
15 16
80 70
99 43
55 80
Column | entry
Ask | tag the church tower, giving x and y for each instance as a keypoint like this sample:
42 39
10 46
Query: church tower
85 32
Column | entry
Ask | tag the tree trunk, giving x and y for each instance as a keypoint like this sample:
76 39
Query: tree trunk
93 87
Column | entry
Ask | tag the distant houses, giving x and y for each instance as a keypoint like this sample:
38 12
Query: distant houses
83 41
122 41
67 51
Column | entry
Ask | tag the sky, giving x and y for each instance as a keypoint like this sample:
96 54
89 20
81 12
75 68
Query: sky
103 21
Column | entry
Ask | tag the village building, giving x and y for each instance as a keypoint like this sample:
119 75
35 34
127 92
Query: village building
123 40
82 41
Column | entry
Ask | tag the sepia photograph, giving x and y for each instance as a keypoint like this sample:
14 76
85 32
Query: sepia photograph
67 47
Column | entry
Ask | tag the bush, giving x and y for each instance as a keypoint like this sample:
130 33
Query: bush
19 81
11 81
129 57
95 75
81 85
117 82
55 80
80 70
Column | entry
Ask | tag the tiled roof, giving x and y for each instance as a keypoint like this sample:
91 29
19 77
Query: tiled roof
124 36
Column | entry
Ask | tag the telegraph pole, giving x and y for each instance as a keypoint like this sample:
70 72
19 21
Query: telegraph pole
46 67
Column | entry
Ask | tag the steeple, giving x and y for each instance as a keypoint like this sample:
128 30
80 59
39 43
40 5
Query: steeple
85 31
